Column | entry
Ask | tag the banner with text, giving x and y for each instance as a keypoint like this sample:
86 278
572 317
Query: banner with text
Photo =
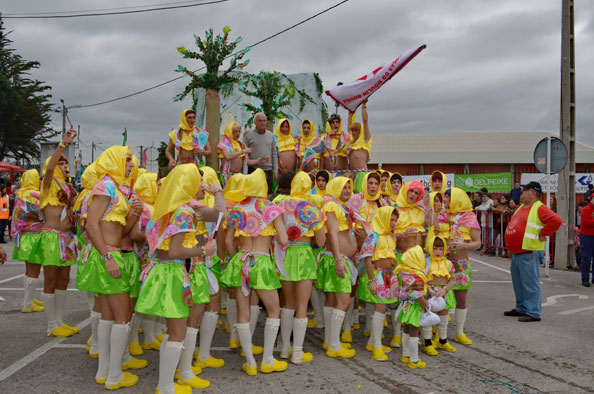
426 179
582 180
495 182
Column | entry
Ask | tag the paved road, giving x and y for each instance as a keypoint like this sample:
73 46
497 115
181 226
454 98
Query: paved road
554 356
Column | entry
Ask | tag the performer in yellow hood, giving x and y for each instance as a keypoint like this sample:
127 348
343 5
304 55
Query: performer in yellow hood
232 151
308 139
393 189
439 182
187 141
359 145
322 179
335 145
286 146
411 223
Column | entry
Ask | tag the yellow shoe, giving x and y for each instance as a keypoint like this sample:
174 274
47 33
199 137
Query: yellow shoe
447 347
160 337
227 329
346 337
74 330
140 330
312 323
342 353
94 355
430 350
366 333
385 349
234 344
449 318
136 349
101 380
463 339
286 355
385 323
277 366
255 350
179 389
59 332
379 355
396 341
127 380
250 371
154 345
34 308
90 341
326 345
223 311
219 323
405 359
88 348
435 340
210 363
418 365
37 302
196 370
356 326
307 357
134 363
195 383
434 330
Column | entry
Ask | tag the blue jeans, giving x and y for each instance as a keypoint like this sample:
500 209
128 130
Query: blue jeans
586 252
525 273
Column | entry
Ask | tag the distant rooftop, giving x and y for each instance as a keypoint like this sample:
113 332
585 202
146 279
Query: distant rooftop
462 148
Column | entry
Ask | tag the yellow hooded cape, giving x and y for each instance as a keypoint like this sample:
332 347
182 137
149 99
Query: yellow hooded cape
253 185
236 144
234 183
306 140
413 261
439 267
187 142
29 184
359 143
444 182
334 189
392 195
51 197
320 192
386 245
146 187
410 214
88 180
285 142
460 203
209 176
301 187
178 188
112 162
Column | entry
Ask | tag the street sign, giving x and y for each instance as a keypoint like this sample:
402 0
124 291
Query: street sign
558 155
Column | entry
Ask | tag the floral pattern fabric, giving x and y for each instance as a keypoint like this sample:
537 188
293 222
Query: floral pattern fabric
253 215
182 220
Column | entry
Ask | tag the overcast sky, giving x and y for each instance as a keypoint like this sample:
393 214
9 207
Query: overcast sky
489 65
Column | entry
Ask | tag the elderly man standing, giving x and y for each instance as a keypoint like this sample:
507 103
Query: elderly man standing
264 152
525 238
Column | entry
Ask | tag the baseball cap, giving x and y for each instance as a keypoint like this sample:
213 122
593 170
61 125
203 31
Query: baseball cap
534 186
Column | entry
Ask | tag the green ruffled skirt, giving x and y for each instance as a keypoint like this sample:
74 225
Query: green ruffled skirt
199 285
412 316
328 281
463 274
47 251
364 294
262 275
27 245
93 276
161 293
300 264
133 269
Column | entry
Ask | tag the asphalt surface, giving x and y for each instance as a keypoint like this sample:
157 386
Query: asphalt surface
551 356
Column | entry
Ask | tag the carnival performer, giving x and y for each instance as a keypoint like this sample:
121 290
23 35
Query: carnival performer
385 179
335 141
379 286
56 249
303 221
413 289
322 179
317 295
439 182
189 142
166 290
465 235
440 279
359 145
308 147
411 222
287 146
255 221
25 226
393 189
109 218
232 151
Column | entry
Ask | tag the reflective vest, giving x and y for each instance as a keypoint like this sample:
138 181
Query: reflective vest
533 227
4 207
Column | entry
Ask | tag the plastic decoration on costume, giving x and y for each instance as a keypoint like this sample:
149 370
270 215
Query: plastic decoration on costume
26 215
199 138
340 138
437 304
230 145
429 319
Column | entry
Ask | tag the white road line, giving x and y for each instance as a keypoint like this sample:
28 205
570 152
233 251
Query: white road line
577 310
552 300
34 355
70 345
13 278
490 265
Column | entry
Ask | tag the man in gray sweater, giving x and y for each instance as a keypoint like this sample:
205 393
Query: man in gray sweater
264 150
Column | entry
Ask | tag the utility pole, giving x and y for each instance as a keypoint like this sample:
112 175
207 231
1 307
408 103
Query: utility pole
64 114
141 163
564 244
92 151
78 137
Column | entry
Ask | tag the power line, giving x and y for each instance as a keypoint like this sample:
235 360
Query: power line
203 67
114 13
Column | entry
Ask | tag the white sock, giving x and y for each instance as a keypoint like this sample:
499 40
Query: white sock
232 318
60 299
335 324
29 289
286 322
90 299
460 320
207 330
426 333
224 299
443 327
50 310
168 361
185 360
369 309
377 327
160 326
413 344
103 337
299 329
397 327
317 306
245 338
270 332
254 315
95 317
405 348
118 342
163 344
134 324
348 317
148 326
327 317
127 357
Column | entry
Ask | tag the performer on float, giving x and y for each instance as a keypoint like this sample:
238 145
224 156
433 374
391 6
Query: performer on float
465 235
414 285
25 227
232 151
309 147
359 145
335 142
255 221
297 265
166 289
322 179
379 285
56 247
287 146
189 142
393 189
385 179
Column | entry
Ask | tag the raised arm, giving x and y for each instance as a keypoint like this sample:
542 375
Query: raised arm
51 166
365 117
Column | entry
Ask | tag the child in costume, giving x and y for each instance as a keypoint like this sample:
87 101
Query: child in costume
26 222
379 286
413 289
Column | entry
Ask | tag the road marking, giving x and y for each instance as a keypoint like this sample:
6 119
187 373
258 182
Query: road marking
70 345
35 354
552 300
577 310
490 265
13 278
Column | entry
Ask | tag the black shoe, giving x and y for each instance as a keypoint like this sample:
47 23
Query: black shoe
585 283
527 319
513 312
